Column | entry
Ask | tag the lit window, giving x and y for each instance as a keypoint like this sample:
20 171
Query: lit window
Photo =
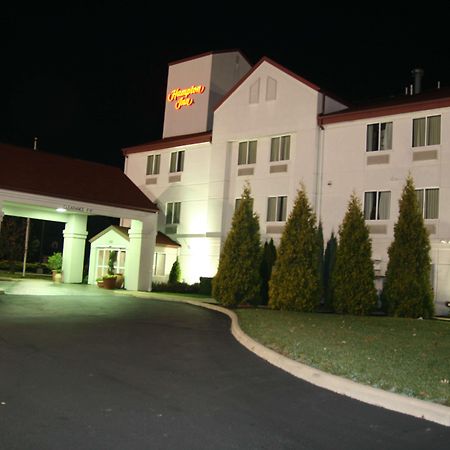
377 205
173 212
379 136
247 152
280 148
153 163
276 209
159 264
177 161
428 199
426 131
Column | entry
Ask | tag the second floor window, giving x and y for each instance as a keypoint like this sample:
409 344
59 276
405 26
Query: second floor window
379 137
428 202
247 152
276 209
173 212
177 161
426 131
377 205
280 148
153 163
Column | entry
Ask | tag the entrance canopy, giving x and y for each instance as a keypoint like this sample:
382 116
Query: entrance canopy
44 186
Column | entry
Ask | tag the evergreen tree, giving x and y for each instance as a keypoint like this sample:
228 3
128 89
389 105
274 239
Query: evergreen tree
238 278
328 266
408 291
269 256
320 261
175 272
353 275
294 283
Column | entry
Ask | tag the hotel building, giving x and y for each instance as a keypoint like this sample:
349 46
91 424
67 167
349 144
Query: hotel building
227 123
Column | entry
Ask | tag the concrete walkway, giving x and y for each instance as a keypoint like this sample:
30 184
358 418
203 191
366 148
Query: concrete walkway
27 286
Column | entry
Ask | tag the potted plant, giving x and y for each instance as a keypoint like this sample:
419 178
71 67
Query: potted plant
119 280
99 282
109 280
54 263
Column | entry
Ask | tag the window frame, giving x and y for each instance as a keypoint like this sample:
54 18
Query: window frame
155 165
176 161
423 202
280 212
156 260
379 134
276 154
377 205
426 131
173 212
248 152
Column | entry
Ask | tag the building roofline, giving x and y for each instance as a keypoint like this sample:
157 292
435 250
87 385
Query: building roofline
161 239
119 229
283 69
212 52
419 102
64 178
169 142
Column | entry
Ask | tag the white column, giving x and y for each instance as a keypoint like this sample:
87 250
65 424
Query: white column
74 245
139 262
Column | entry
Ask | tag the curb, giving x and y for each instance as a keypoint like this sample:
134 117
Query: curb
377 397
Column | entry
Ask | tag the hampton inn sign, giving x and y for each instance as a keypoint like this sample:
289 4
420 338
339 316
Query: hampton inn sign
182 97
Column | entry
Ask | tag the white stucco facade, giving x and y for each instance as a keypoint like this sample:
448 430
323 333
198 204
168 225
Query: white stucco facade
348 168
326 152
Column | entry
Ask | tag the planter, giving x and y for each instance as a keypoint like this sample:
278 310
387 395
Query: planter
56 276
100 283
109 282
119 280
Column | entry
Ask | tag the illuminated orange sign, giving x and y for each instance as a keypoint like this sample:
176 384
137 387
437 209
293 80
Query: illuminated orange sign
182 97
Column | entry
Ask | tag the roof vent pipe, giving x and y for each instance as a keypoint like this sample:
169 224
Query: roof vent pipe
418 75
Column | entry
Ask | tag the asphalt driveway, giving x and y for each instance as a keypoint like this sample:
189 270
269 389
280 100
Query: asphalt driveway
115 372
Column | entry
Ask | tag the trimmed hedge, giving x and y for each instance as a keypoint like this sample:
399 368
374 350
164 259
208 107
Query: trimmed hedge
16 266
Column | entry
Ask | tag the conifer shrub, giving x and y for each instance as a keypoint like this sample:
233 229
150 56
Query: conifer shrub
320 261
294 284
407 290
269 256
353 275
238 280
329 260
175 273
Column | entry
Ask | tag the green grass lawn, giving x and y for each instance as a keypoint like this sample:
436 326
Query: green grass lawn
407 356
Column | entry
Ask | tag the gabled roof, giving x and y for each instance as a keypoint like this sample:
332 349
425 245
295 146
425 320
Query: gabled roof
123 231
161 239
283 69
41 173
437 98
170 142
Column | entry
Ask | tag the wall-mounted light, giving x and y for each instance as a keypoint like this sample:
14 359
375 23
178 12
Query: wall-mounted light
61 210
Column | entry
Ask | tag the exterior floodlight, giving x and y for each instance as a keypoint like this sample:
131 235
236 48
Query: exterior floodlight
61 210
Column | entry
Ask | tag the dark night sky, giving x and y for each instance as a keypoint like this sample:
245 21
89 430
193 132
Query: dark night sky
90 82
